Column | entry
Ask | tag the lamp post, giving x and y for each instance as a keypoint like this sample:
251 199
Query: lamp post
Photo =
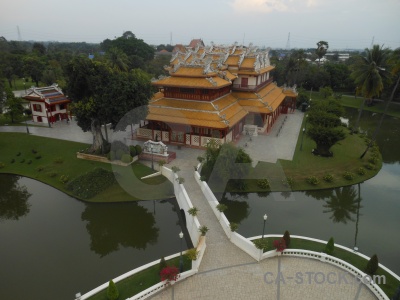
265 220
24 84
152 162
302 137
26 125
180 259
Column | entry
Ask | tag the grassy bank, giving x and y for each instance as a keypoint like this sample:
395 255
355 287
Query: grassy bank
46 160
360 263
142 280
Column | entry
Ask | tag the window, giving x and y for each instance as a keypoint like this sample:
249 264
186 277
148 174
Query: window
62 106
37 107
53 108
187 91
245 82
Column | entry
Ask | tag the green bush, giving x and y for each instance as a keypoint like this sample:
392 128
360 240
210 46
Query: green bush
233 226
261 244
132 151
29 162
372 265
312 180
348 175
175 169
203 178
38 156
180 180
288 182
361 171
330 247
203 230
90 184
373 160
263 183
192 254
22 160
138 149
2 165
222 207
193 211
118 154
286 237
64 178
200 159
112 291
126 158
328 177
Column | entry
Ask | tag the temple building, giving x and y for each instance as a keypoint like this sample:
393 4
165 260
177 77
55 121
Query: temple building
48 104
216 92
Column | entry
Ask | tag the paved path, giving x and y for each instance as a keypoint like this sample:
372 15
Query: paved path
226 271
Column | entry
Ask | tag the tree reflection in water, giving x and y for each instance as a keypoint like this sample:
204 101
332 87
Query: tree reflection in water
122 224
342 204
237 210
13 198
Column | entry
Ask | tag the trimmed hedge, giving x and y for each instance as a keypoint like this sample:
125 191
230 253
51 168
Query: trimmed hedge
90 184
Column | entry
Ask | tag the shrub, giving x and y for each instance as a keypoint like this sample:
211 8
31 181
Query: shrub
40 168
98 151
169 273
328 177
2 165
330 247
118 145
180 180
58 160
193 211
34 151
370 166
286 237
372 265
203 230
126 158
261 244
280 245
138 149
90 184
29 162
348 175
19 153
112 291
112 155
53 174
263 183
12 161
192 254
162 264
222 207
361 171
203 178
233 226
373 160
175 169
64 178
22 160
288 182
161 163
38 156
200 159
312 180
118 154
132 151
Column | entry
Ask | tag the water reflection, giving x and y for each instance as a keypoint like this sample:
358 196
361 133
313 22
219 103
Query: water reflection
13 199
342 204
237 210
113 225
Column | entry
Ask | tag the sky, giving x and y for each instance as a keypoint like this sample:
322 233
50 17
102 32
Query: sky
344 24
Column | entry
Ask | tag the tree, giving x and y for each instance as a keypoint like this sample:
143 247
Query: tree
372 265
103 95
330 247
369 74
286 237
326 91
394 62
13 105
322 48
117 59
34 67
112 291
325 131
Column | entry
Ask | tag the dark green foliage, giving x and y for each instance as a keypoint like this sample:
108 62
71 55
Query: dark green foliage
330 247
372 265
2 165
162 264
90 184
222 207
19 153
64 178
34 151
233 226
348 175
119 153
38 156
286 237
138 149
12 160
312 180
119 146
126 158
112 291
263 183
29 162
261 244
132 151
328 177
112 155
22 160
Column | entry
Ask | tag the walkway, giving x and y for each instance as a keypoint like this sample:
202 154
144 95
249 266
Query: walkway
227 272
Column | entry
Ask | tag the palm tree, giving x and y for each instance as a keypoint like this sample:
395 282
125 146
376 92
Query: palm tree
117 59
394 63
322 47
369 74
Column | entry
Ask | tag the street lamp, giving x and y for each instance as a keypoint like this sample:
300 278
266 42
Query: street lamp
302 137
24 84
265 220
152 162
180 259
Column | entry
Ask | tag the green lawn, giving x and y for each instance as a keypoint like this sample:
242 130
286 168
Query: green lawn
142 280
18 84
360 263
5 119
55 158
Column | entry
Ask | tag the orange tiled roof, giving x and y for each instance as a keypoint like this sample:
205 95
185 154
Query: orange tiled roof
248 63
253 72
197 71
232 60
191 82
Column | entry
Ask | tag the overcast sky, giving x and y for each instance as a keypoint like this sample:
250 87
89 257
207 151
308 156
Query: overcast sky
343 23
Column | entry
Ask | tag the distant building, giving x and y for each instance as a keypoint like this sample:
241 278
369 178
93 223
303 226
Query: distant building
215 93
48 104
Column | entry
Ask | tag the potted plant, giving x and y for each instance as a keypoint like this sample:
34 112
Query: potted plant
203 229
169 274
193 211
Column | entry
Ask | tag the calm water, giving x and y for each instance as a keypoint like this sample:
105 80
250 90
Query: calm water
53 246
365 215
